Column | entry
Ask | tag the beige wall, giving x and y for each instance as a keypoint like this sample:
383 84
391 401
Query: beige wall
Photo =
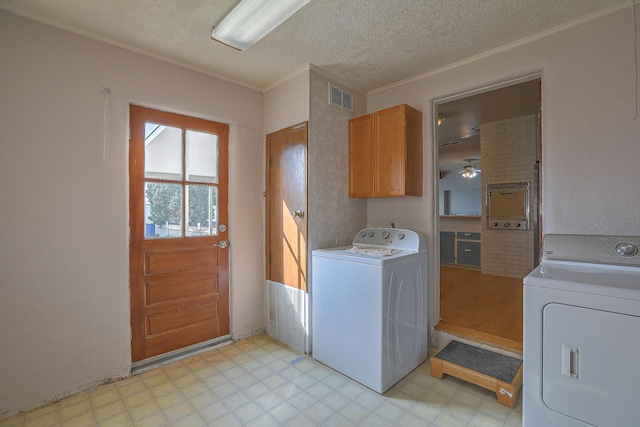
287 104
64 268
508 149
333 219
589 129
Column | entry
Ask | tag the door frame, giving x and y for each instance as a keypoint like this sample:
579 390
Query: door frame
434 317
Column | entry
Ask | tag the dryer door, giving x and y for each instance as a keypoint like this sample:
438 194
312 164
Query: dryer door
590 364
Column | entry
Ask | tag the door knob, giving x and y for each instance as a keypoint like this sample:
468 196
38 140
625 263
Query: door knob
223 244
297 213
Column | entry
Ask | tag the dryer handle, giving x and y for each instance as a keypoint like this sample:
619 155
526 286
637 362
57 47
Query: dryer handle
570 358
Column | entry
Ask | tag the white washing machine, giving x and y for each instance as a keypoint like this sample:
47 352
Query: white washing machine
369 306
582 333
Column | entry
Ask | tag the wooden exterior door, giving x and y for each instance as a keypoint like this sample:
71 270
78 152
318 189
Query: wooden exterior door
179 261
286 206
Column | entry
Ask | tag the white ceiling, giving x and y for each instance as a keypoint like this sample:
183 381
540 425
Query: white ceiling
368 44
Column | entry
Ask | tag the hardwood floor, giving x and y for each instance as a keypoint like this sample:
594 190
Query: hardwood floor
481 307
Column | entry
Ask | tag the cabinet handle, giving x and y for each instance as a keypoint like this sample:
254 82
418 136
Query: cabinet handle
467 250
467 234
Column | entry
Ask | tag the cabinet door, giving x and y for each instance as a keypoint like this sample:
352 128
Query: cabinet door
469 253
361 154
391 152
447 246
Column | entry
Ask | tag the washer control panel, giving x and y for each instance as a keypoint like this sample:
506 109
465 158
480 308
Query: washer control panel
392 238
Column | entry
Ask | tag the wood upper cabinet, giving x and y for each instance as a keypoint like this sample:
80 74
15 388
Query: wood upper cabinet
385 153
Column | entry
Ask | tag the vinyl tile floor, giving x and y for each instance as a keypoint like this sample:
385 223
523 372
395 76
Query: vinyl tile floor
260 382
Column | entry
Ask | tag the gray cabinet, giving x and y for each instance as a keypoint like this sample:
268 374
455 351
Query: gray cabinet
447 246
463 235
468 253
461 248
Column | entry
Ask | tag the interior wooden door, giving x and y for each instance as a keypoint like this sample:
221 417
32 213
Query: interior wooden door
179 261
286 206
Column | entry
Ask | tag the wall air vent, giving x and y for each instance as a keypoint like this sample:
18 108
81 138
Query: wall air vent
340 97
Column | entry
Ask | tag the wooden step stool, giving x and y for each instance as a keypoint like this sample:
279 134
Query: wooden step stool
493 371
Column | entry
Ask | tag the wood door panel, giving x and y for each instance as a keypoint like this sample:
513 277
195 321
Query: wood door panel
181 304
184 337
185 259
361 156
180 318
390 152
165 290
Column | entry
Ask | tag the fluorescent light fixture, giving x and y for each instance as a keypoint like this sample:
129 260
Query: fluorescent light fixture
251 20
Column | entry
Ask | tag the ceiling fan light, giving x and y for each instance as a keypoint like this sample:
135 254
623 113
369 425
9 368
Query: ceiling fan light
469 171
251 20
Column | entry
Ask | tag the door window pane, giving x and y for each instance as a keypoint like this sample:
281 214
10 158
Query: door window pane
163 210
202 202
202 157
162 152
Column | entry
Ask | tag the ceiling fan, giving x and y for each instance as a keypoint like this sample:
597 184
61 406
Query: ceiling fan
469 171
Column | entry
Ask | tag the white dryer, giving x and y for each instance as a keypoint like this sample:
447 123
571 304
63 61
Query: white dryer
369 306
582 333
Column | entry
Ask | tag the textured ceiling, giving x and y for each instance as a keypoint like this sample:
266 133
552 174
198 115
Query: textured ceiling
368 44
459 133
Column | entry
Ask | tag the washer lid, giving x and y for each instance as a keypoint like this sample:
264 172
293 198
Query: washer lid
345 254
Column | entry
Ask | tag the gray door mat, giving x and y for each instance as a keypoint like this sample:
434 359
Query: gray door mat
481 360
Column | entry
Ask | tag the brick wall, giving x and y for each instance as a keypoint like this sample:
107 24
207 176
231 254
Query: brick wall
508 149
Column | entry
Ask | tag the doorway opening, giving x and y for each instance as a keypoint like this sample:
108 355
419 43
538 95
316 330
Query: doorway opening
488 138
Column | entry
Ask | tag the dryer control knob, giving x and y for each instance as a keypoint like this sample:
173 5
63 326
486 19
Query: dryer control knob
626 249
385 234
400 236
363 233
371 233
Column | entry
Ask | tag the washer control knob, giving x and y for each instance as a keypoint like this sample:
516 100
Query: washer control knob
385 234
400 236
370 234
363 233
626 249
